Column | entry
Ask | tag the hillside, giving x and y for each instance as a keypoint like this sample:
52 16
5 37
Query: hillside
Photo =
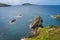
3 5
47 33
27 4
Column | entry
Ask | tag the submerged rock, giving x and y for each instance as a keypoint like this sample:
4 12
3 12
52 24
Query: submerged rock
13 20
37 23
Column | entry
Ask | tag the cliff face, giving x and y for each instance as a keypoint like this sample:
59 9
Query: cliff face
47 33
38 22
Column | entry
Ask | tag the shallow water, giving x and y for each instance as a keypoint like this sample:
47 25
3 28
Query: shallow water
21 28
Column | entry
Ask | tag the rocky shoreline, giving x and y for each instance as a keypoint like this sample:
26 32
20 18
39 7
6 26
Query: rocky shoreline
43 33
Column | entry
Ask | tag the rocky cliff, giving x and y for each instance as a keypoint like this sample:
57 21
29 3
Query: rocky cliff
43 33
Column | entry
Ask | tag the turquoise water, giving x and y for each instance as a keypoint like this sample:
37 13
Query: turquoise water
21 28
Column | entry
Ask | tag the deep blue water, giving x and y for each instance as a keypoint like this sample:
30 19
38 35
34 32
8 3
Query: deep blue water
21 28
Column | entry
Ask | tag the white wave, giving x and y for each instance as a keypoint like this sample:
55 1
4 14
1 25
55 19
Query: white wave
18 16
52 16
30 25
23 38
12 23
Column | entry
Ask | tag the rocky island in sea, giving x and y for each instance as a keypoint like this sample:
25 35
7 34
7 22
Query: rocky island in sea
4 5
43 33
57 16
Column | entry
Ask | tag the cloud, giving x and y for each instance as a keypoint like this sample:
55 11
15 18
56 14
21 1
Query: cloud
13 2
40 2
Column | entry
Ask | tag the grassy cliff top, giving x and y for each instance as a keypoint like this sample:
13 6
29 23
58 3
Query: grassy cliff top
47 33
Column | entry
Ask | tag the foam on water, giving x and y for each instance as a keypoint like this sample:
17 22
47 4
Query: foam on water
18 16
52 16
30 25
12 23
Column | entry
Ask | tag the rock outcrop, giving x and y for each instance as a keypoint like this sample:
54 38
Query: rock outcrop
58 16
38 22
13 20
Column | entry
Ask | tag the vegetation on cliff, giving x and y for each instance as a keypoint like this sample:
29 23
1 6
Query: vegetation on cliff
47 33
38 22
3 5
43 33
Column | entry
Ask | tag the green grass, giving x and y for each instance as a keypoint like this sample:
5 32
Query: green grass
47 33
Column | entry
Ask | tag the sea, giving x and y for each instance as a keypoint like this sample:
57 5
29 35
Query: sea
25 15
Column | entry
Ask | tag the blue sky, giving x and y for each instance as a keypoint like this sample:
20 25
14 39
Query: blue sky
40 2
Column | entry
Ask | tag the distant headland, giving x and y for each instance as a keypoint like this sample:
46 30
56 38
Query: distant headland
4 5
27 4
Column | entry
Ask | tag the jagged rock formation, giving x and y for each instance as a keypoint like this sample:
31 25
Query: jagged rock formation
58 16
38 22
47 33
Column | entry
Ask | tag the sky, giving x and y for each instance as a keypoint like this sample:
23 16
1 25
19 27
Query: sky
39 2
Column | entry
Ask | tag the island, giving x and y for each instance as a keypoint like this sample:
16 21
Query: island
39 32
4 5
26 4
